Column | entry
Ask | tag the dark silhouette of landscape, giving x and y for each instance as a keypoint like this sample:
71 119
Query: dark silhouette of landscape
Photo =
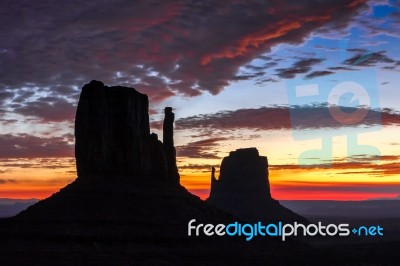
243 189
127 207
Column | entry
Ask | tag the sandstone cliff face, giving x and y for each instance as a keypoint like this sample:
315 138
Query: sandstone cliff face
113 137
243 189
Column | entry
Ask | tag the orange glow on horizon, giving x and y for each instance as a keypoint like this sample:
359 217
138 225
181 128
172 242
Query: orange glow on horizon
28 194
287 191
199 184
287 183
281 194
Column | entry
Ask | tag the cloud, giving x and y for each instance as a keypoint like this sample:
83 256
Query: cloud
335 68
357 50
302 66
337 187
188 47
206 167
362 164
387 25
48 109
278 117
200 149
4 181
362 58
201 168
315 74
368 59
249 76
5 95
27 146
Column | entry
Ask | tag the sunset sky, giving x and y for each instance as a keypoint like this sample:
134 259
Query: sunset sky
265 74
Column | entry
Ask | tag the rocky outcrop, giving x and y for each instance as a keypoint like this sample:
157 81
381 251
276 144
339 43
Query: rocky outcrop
243 189
109 216
243 175
113 137
169 148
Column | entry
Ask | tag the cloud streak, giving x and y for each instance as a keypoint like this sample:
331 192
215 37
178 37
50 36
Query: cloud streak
27 146
200 149
278 118
302 66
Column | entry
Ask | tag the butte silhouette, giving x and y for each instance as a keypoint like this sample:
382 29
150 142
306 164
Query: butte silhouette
127 206
243 189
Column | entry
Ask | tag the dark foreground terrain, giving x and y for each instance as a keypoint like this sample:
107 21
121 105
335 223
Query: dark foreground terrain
127 206
126 224
11 207
147 224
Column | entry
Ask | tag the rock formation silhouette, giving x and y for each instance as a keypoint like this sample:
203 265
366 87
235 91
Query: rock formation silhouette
243 189
126 205
169 148
113 137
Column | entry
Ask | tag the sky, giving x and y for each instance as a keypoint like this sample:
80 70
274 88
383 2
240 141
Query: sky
313 85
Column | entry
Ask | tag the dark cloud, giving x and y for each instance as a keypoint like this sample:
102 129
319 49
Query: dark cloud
27 146
357 50
42 163
325 48
302 66
369 59
341 68
264 57
262 81
48 109
189 46
248 76
200 168
205 167
255 68
22 96
8 121
315 74
5 95
389 67
200 149
278 117
390 117
361 58
4 181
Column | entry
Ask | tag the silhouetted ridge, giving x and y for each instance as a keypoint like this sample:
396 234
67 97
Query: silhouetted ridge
126 207
126 176
243 189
